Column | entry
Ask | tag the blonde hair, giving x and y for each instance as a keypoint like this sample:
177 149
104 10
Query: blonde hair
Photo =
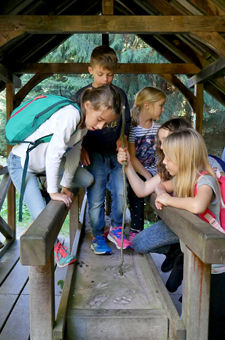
104 97
147 94
172 125
105 57
187 149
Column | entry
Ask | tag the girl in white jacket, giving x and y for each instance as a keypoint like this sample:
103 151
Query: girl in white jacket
99 106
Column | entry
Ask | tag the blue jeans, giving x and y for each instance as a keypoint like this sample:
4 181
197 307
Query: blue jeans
32 193
107 175
155 239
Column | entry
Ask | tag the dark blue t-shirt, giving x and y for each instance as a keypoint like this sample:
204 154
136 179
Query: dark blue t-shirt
104 141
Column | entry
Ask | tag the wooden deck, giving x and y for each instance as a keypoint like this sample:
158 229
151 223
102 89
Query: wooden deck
14 287
14 294
105 305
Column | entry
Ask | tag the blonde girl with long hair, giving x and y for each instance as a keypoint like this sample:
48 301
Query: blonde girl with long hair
148 107
185 159
159 237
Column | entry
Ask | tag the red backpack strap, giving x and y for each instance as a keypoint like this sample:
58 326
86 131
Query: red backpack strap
208 215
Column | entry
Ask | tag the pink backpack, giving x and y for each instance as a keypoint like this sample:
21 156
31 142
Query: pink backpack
208 216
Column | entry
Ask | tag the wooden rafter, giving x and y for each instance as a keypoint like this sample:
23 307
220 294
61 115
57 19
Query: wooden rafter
6 36
210 72
40 24
107 7
21 94
123 68
172 79
208 7
8 77
214 40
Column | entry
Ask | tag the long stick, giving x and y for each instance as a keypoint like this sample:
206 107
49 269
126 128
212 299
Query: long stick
124 192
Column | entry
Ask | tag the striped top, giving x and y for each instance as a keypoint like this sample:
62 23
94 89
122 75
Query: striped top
145 145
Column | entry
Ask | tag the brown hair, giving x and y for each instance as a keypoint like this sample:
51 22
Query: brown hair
147 94
103 97
172 125
104 56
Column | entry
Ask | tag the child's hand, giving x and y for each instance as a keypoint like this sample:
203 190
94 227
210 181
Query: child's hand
158 205
163 199
123 156
119 143
67 192
63 198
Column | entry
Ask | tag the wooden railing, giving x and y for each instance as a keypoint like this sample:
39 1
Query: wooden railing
202 246
36 251
5 229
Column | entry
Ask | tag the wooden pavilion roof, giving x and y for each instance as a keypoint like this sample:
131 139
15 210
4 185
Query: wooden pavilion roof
189 34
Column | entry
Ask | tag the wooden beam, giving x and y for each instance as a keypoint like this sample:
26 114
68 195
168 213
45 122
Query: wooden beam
214 40
41 24
212 71
107 7
172 79
208 7
123 68
6 36
40 237
105 39
198 106
5 229
196 295
196 234
21 94
4 187
11 196
214 92
8 77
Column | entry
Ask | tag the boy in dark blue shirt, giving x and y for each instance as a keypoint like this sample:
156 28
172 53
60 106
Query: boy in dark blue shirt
99 155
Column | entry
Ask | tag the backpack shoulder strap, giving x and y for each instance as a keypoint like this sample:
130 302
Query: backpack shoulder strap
208 215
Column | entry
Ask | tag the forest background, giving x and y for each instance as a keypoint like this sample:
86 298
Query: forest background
129 49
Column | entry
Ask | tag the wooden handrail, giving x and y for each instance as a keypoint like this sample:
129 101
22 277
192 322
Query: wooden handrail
36 251
205 241
36 244
202 246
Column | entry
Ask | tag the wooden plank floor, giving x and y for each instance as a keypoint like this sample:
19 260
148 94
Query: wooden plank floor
14 294
103 304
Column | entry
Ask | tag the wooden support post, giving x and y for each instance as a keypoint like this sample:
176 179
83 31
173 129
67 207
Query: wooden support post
42 300
198 106
105 39
196 295
11 197
107 8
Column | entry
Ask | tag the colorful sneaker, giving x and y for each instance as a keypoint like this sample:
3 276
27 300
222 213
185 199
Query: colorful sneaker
115 237
132 236
62 256
99 246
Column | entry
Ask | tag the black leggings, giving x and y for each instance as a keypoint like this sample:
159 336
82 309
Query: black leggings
136 208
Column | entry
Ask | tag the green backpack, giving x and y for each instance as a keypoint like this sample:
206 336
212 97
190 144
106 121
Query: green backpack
26 119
